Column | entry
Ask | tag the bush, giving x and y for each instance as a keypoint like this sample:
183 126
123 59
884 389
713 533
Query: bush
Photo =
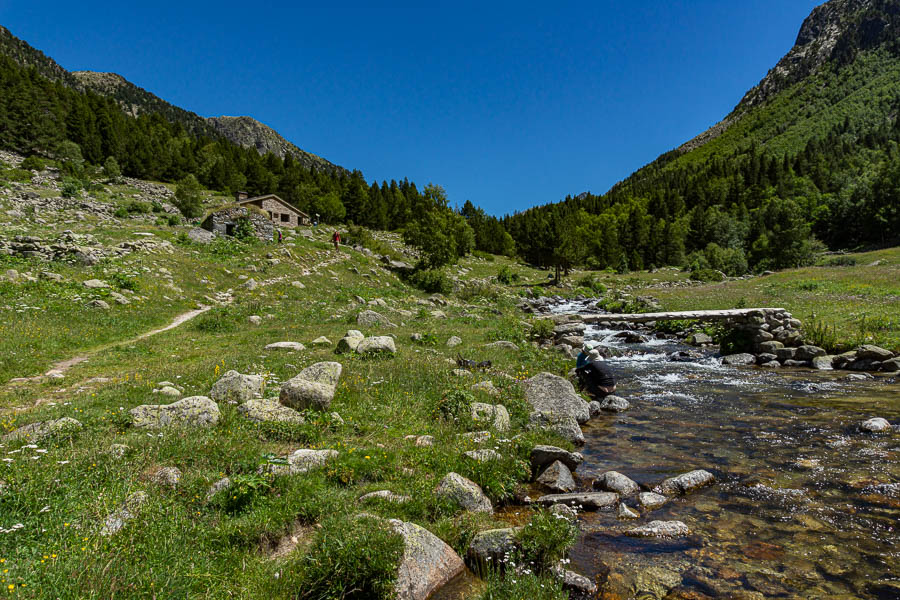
243 491
124 282
433 281
138 208
593 284
350 559
545 539
33 163
839 261
218 320
111 169
244 229
22 175
455 406
484 255
121 212
707 275
157 207
523 587
542 329
507 276
173 220
187 197
70 187
473 290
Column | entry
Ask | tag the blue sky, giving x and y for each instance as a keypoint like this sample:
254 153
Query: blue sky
507 104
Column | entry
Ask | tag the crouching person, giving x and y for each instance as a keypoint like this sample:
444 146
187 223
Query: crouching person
595 375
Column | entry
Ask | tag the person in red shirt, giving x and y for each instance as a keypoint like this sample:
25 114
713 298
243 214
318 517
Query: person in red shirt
336 238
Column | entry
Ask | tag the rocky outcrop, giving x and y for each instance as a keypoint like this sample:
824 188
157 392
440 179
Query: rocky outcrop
44 429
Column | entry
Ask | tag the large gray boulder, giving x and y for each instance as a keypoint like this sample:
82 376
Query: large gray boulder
34 432
553 395
237 388
585 500
685 483
558 478
739 360
195 411
376 345
464 493
614 404
564 425
492 415
613 481
876 425
350 341
312 388
543 456
870 352
269 411
809 352
427 564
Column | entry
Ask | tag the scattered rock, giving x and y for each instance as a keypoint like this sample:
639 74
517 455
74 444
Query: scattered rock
219 486
558 478
614 404
98 304
300 461
387 495
167 477
118 450
586 500
321 341
170 391
578 586
823 363
313 387
461 373
543 456
235 388
490 548
660 529
495 414
464 493
870 352
876 425
482 455
350 341
698 339
453 342
651 501
564 511
626 513
43 429
289 346
566 426
370 318
486 387
269 411
130 508
95 284
739 360
809 352
503 345
195 411
376 345
254 320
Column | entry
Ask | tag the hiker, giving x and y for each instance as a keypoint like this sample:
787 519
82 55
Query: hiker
336 238
279 236
595 375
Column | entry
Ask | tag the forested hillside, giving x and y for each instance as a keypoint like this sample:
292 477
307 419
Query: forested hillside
811 153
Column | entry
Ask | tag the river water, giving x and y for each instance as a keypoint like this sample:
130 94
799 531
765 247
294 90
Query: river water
805 505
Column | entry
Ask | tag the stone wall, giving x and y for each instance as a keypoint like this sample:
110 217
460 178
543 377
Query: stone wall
224 221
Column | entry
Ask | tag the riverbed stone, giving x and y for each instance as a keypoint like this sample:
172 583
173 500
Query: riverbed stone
809 352
784 354
660 529
376 345
578 586
557 477
876 425
491 548
698 339
823 363
236 388
566 512
613 481
685 483
765 357
868 351
651 500
548 393
495 415
891 366
269 411
543 456
864 364
586 500
427 564
43 429
194 411
772 364
465 493
624 512
739 360
614 404
770 347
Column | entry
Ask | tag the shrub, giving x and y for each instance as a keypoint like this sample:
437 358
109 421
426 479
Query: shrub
218 320
484 255
350 559
431 281
121 212
111 169
473 290
23 175
839 261
187 197
522 586
124 282
707 275
498 478
243 491
507 276
542 329
455 406
33 163
173 220
359 236
138 208
545 539
427 339
244 229
157 207
592 283
70 187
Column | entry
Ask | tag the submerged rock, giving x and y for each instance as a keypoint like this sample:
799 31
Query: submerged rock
651 500
876 425
684 483
614 404
613 481
660 529
585 500
739 360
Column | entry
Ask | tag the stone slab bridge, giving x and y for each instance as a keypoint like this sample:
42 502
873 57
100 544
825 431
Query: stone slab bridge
770 328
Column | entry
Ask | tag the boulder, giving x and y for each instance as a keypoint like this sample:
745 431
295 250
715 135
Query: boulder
219 486
350 341
95 284
269 411
43 429
876 425
823 363
869 351
651 501
491 548
565 512
98 304
586 500
386 495
551 394
129 509
684 483
254 320
544 456
195 411
578 586
167 477
200 236
376 345
495 415
484 455
614 404
891 366
454 341
300 461
739 360
464 493
660 529
626 513
698 339
236 388
289 346
770 347
427 564
320 341
613 481
566 426
370 318
558 478
312 388
502 345
784 354
169 390
809 352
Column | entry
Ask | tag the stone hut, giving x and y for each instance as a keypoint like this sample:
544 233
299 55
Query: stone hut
280 212
224 221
